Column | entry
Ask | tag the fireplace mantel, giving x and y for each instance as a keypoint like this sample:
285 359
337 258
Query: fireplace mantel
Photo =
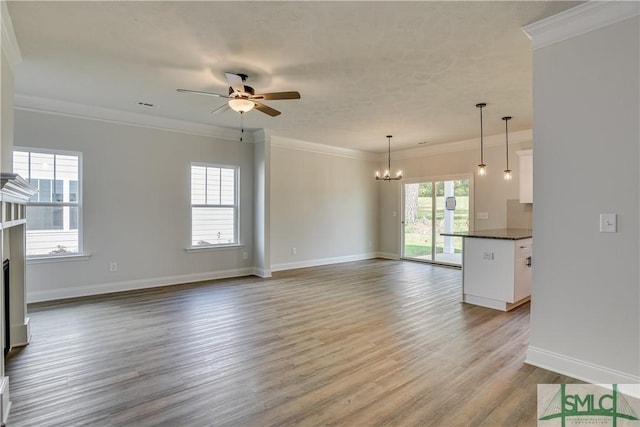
15 191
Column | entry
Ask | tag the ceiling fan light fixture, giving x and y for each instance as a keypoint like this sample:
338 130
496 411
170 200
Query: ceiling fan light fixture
241 105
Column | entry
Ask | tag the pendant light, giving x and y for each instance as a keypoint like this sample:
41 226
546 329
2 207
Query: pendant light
507 171
482 168
387 176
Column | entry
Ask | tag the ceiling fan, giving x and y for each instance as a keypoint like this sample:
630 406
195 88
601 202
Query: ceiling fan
242 98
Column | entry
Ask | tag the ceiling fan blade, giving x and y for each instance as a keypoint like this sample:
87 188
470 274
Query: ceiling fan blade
220 109
236 83
277 95
198 92
267 110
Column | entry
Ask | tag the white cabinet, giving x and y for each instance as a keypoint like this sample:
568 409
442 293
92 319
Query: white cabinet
525 163
497 272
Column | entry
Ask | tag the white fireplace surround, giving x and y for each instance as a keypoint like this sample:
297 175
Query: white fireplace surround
14 194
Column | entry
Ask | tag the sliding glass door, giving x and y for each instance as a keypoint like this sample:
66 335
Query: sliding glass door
432 207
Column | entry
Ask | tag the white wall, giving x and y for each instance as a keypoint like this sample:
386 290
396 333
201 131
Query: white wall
6 144
585 293
491 192
136 207
6 115
262 200
323 204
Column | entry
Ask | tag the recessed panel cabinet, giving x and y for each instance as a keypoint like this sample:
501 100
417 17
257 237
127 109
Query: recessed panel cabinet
525 163
497 272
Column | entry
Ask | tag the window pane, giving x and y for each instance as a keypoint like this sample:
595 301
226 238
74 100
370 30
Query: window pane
73 191
44 218
21 163
72 212
66 167
59 193
198 185
52 230
213 186
45 193
212 226
228 191
41 166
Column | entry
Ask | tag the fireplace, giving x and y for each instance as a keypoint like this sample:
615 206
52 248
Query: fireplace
14 194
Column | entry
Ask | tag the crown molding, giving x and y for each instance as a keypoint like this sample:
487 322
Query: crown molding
579 20
312 147
71 109
9 42
523 136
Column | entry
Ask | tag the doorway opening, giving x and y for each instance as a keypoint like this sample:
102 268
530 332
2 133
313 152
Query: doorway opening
433 206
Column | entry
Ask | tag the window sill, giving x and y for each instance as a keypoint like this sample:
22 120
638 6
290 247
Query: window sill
204 248
58 258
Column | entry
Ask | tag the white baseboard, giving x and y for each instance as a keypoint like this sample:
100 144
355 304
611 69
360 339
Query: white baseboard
5 402
262 272
387 255
20 334
322 261
578 369
130 285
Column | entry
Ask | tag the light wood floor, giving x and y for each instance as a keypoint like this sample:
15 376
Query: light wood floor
374 342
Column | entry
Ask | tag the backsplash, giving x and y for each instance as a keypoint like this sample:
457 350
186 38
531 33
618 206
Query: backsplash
519 215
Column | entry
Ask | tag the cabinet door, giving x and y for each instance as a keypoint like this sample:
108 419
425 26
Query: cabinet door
526 175
522 271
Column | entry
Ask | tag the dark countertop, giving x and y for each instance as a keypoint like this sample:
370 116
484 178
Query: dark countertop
500 233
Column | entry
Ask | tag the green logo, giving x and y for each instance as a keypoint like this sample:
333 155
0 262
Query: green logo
588 404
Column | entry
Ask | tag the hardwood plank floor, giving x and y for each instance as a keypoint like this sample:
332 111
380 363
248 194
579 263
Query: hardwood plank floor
374 342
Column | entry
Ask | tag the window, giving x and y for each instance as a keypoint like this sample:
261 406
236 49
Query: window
53 213
214 205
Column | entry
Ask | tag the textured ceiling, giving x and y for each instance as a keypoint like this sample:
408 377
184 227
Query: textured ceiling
364 69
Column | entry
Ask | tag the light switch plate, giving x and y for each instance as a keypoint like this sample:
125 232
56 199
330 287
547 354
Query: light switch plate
608 223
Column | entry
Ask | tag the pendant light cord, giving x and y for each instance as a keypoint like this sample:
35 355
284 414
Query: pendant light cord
481 139
506 133
389 154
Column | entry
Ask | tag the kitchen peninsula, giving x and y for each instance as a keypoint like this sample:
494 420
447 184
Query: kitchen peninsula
496 267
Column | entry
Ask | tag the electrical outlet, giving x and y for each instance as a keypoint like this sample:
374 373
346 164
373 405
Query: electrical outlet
113 266
608 223
487 255
294 251
482 215
245 255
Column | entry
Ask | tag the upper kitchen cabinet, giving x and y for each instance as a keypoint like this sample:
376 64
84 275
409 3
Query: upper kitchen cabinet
526 175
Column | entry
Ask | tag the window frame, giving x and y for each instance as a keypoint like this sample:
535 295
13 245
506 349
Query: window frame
80 254
236 207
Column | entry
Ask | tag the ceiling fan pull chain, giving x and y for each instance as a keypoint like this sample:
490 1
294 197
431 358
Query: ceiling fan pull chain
241 125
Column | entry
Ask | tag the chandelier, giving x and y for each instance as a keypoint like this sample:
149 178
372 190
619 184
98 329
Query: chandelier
386 176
